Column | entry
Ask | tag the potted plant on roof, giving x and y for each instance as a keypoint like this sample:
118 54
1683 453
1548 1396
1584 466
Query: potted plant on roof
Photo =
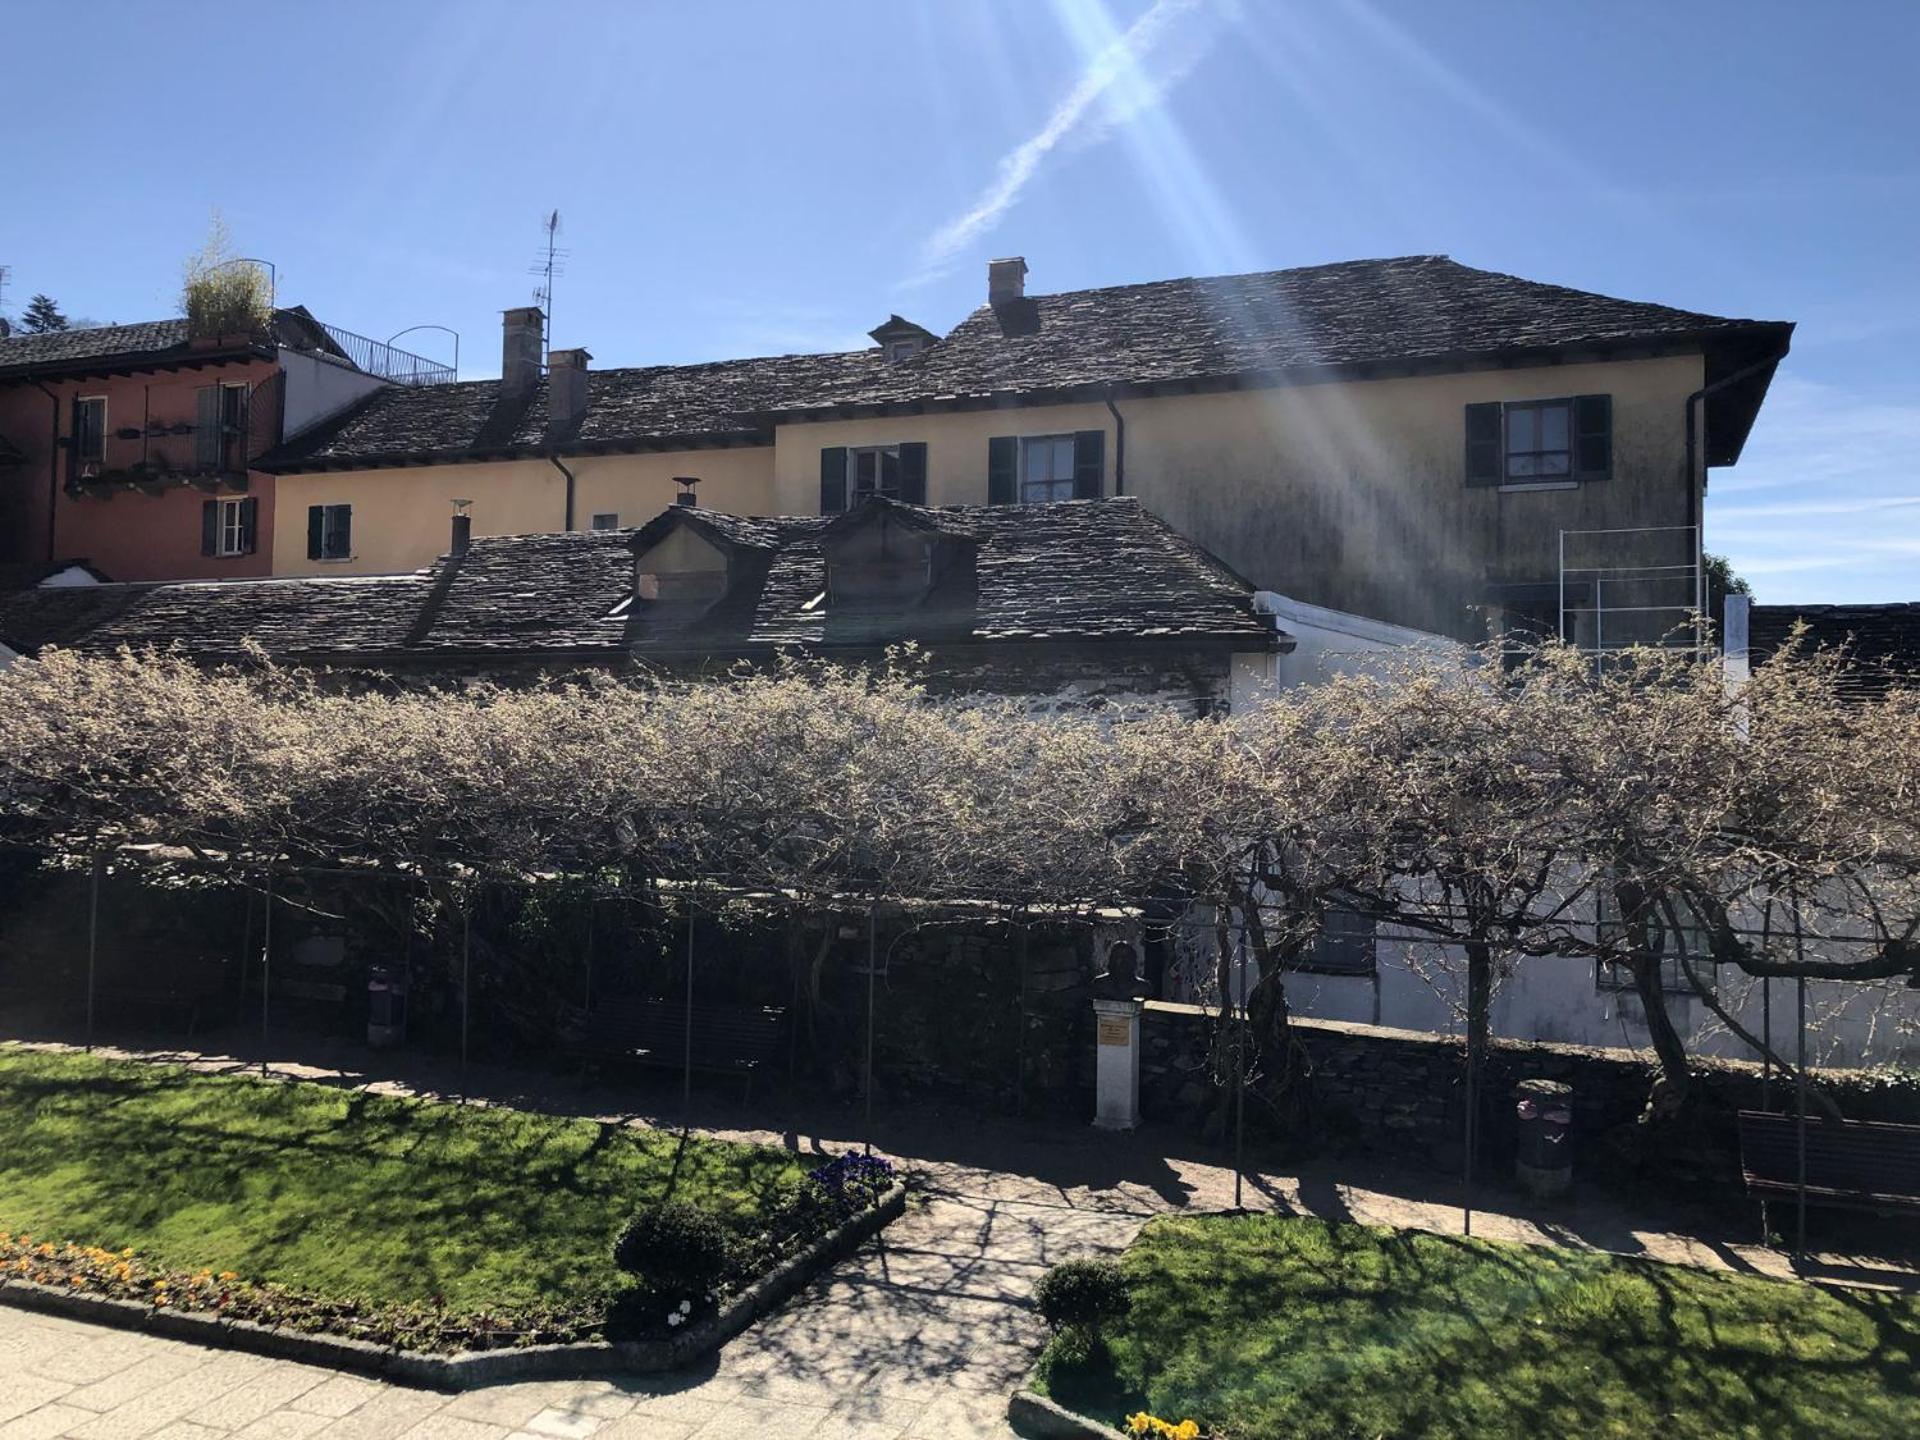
228 300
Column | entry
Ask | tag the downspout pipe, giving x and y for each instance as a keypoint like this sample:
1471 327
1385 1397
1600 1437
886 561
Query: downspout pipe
1119 445
53 467
560 465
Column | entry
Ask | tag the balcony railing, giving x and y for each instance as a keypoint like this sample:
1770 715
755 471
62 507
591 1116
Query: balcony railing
376 357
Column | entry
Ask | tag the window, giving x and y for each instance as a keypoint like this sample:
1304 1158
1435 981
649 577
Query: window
1540 442
606 520
1036 469
330 532
1046 468
903 350
1344 945
874 470
90 430
233 538
220 431
1692 942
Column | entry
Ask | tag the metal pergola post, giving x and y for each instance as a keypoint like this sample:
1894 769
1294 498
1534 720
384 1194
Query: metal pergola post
872 966
466 986
266 969
1800 1085
1466 1197
686 1068
93 938
1240 1047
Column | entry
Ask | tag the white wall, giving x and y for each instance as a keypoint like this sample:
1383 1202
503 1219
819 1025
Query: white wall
1326 643
318 388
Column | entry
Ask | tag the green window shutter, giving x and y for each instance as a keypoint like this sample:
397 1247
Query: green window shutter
1003 470
339 532
206 427
1484 444
1592 437
209 526
913 472
316 530
249 524
1089 464
833 479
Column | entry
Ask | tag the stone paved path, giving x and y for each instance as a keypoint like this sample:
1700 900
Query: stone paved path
922 1334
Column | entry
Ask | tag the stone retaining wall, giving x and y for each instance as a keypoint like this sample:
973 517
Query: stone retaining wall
1404 1092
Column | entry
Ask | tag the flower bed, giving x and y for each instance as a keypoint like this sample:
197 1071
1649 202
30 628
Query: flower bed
825 1201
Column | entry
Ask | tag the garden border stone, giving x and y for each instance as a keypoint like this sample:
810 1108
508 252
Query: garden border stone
1032 1413
473 1368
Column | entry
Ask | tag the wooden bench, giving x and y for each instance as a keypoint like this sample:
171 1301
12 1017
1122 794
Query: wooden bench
738 1039
1851 1164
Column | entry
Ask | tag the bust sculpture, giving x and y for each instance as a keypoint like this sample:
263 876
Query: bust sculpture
1122 978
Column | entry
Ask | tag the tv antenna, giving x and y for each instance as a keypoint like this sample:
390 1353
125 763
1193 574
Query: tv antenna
552 262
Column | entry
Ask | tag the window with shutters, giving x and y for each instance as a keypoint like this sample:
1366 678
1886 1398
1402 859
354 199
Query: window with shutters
1525 444
233 536
1046 468
330 532
873 470
90 430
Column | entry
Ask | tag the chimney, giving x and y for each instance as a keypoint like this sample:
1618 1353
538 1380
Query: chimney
686 484
462 528
521 335
566 389
1006 280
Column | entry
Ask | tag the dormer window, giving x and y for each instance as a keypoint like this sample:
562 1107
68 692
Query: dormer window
900 339
683 568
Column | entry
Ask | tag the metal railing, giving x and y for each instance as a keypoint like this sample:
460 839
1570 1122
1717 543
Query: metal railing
376 357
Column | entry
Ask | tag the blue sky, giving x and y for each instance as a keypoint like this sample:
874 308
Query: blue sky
740 178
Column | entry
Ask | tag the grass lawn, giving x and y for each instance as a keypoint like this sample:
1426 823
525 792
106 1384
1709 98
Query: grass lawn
1264 1327
337 1191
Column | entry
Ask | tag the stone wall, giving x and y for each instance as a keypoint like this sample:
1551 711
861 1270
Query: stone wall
1403 1092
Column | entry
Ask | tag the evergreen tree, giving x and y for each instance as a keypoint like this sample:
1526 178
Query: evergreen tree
41 316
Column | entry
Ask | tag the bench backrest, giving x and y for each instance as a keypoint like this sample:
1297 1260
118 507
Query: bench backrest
737 1032
1865 1156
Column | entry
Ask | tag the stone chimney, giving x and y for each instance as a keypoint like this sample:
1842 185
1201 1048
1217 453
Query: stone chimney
566 390
521 335
1006 280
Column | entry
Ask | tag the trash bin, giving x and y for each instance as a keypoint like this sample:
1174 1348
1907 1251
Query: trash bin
1544 1164
386 1006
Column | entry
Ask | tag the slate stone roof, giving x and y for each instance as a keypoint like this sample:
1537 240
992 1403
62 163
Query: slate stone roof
1881 642
1080 570
59 347
716 403
1416 310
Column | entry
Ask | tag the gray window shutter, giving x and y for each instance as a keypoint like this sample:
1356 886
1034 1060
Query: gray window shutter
340 532
206 429
1484 444
913 472
249 524
316 530
1003 470
833 479
1089 464
209 526
1592 437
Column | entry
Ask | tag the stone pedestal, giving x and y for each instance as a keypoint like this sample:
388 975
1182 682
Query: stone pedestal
1116 1104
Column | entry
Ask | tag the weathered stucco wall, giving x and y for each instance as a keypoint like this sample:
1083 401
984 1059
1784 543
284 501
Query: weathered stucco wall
401 517
1353 496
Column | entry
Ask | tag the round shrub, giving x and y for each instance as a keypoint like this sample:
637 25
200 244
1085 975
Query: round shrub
675 1249
1083 1295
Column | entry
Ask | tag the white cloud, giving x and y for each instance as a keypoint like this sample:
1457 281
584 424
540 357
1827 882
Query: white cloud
1125 78
1824 498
